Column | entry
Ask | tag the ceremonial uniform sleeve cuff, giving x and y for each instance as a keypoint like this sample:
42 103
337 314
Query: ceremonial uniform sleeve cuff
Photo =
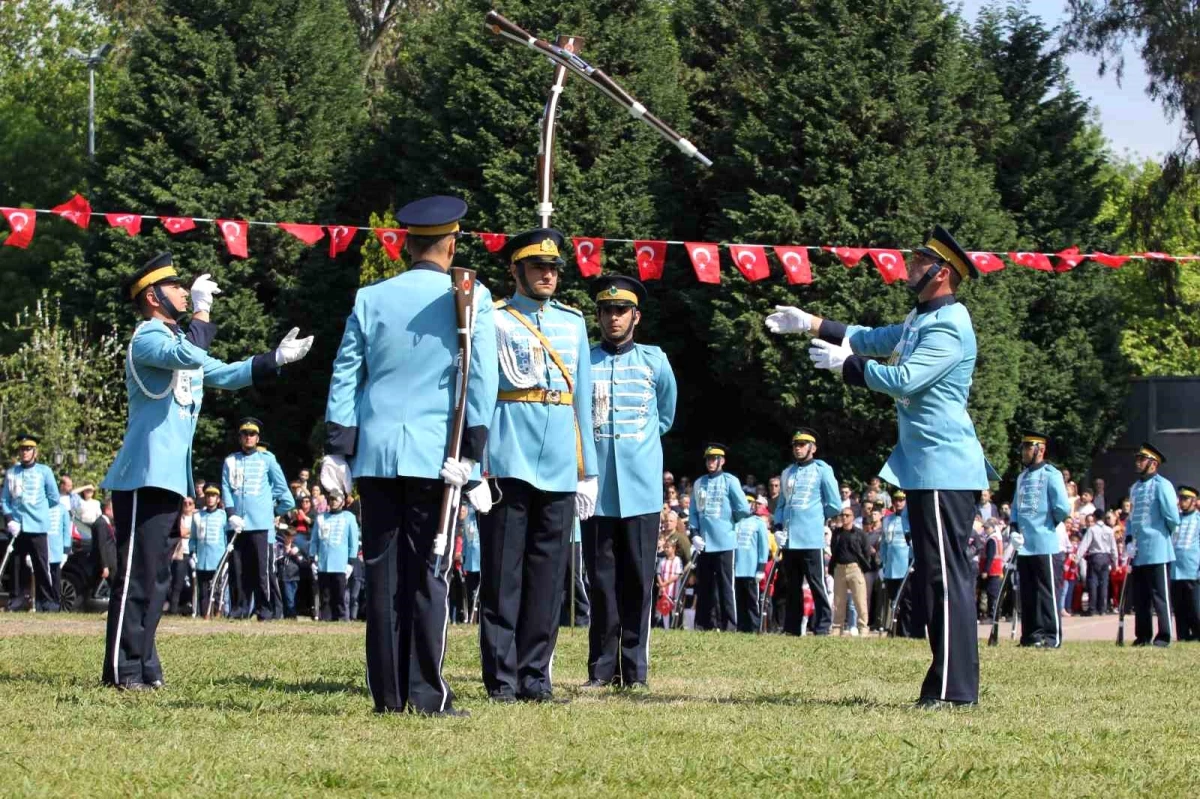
263 368
854 370
474 442
340 440
200 334
831 331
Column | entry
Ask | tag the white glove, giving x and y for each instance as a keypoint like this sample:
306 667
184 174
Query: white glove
760 576
457 471
1131 550
202 292
349 569
1016 539
292 349
335 474
697 543
13 527
787 319
585 498
237 523
781 537
480 497
829 356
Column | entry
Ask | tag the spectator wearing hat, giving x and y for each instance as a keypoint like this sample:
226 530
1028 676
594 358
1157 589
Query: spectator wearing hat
166 370
1153 520
29 494
718 503
334 543
1040 504
254 492
1185 571
809 495
749 568
633 406
208 545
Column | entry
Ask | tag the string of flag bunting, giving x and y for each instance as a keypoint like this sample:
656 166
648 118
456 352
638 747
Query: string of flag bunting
751 260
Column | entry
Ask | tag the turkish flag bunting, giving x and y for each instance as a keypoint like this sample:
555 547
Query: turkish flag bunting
392 240
309 234
234 231
651 256
890 264
1033 260
706 260
588 254
77 210
795 264
1112 261
986 261
494 242
22 221
131 222
751 260
177 224
340 237
1068 259
1158 256
847 255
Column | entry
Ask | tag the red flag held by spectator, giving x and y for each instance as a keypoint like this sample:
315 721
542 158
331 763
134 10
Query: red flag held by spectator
130 222
706 260
309 234
1033 260
847 255
751 260
177 224
986 261
340 237
22 222
234 231
77 210
651 256
392 240
494 242
795 264
588 254
890 264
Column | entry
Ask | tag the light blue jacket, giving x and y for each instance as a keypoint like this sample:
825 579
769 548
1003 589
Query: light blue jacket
165 376
1039 505
1187 547
717 504
470 549
28 495
533 441
394 380
895 549
254 488
58 538
1153 518
334 541
633 406
808 495
208 538
753 549
931 359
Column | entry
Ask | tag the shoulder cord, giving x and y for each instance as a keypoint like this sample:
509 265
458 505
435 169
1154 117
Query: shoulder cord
133 370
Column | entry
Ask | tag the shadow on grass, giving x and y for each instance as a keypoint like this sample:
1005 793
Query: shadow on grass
303 687
781 700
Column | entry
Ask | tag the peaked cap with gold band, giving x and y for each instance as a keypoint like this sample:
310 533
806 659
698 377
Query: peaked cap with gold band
159 269
542 244
941 245
1150 451
619 290
26 440
715 450
432 216
1034 437
803 435
211 489
250 424
1187 491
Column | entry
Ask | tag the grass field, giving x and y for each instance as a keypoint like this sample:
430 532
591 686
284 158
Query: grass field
284 711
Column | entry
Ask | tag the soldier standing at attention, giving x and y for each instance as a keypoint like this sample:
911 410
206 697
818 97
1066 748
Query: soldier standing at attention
718 503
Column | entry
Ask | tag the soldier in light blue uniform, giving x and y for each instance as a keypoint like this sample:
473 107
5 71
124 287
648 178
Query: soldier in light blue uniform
749 566
470 560
578 576
58 547
895 554
718 503
254 491
334 543
808 495
633 406
29 493
388 418
208 544
545 468
938 460
1185 571
1153 519
166 371
1039 505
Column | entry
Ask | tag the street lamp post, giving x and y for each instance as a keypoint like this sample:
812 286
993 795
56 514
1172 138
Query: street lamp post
92 60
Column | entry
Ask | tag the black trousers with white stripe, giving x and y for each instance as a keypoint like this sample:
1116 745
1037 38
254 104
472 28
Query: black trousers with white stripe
944 590
1040 581
144 520
619 554
408 593
1151 597
716 606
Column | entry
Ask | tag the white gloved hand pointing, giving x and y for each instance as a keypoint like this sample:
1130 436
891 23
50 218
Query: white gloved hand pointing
788 319
203 289
292 348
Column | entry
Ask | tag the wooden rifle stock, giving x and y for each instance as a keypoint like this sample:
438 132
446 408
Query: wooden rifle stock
462 282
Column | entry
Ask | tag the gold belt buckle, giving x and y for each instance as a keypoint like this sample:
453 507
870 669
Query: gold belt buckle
553 395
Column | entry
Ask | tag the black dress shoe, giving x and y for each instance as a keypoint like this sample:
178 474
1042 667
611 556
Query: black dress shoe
547 697
503 697
156 685
449 713
929 703
132 685
590 684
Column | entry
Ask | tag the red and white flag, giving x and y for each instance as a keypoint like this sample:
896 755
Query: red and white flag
494 242
588 255
77 210
392 240
986 261
1158 256
234 231
1111 261
132 223
340 237
21 222
1033 260
890 264
706 260
795 264
177 224
309 234
751 260
849 256
651 257
1068 259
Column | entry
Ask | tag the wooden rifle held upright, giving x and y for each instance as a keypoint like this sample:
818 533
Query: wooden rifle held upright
462 282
